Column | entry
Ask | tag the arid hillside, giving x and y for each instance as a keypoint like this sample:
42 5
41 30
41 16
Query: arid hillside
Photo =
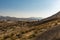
23 30
52 34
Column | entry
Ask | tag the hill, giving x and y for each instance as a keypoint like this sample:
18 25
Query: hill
24 30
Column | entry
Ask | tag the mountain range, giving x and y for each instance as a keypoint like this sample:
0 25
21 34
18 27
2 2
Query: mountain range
19 19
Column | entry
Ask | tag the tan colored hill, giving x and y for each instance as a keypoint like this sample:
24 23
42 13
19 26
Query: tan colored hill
23 30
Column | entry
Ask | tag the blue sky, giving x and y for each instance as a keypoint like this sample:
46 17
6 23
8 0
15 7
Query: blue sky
29 8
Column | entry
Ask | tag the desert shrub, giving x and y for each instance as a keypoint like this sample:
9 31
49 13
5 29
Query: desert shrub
31 36
22 32
19 35
6 37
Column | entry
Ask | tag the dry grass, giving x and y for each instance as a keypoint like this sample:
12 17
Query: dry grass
24 30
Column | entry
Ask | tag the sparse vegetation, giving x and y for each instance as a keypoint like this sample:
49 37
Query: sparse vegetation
17 31
24 30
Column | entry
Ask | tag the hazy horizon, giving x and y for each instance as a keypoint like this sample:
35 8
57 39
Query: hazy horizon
29 8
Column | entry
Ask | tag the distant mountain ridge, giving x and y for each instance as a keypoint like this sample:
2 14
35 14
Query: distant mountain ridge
19 19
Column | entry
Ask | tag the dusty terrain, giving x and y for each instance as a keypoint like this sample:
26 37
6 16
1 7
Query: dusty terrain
23 30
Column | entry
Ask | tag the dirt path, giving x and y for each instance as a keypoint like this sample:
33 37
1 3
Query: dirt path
52 34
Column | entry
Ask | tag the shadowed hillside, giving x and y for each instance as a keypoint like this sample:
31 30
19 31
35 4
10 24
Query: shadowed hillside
52 34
